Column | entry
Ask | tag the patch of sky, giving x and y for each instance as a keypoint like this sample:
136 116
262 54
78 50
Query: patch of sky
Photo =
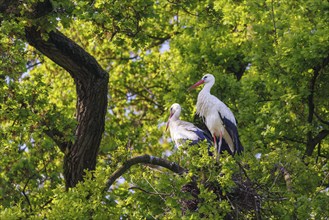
258 155
248 66
165 47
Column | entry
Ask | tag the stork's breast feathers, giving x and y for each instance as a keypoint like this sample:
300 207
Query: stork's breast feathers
204 105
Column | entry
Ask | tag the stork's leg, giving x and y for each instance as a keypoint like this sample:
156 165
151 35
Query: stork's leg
215 143
219 144
216 146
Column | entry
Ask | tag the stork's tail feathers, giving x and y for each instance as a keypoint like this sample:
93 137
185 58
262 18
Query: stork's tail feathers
239 148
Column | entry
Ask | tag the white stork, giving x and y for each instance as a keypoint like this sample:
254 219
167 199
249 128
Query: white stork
218 118
180 131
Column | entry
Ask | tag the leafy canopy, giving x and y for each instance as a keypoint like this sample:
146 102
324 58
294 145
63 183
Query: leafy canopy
270 60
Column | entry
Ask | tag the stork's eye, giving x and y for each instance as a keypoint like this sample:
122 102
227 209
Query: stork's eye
205 77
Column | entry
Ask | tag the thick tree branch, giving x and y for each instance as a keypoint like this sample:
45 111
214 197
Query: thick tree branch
37 10
312 142
315 141
320 119
318 138
310 97
144 159
58 138
66 53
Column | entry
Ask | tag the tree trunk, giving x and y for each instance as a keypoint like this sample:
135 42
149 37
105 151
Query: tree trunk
91 110
91 86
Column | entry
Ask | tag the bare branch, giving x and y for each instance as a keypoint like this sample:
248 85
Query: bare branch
144 159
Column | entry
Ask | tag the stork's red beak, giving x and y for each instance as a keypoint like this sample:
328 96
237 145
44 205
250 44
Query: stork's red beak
196 85
168 121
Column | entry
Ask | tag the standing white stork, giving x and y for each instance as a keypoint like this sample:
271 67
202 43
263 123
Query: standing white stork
180 131
218 118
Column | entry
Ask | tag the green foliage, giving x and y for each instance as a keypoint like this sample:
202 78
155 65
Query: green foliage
270 60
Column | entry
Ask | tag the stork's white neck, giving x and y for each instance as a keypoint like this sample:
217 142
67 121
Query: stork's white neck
202 105
207 87
175 116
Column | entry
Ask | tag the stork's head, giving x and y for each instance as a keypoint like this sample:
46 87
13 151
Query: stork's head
206 79
175 110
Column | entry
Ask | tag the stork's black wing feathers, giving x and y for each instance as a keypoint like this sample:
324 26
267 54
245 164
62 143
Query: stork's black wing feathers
233 132
202 135
199 122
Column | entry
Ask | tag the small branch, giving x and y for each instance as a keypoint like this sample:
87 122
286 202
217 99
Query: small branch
27 200
320 119
152 193
181 6
145 159
120 58
274 23
243 170
284 138
30 66
26 184
140 93
46 203
319 152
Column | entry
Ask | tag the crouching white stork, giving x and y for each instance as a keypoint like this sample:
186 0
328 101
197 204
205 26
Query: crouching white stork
181 131
218 118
